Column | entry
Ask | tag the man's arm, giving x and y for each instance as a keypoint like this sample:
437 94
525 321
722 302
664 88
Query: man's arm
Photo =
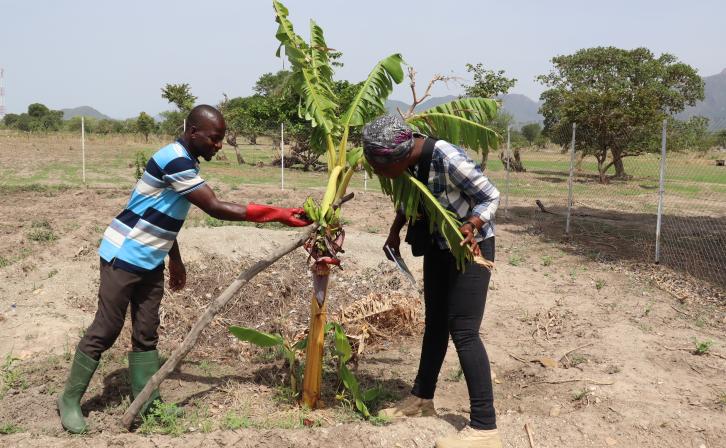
205 199
177 271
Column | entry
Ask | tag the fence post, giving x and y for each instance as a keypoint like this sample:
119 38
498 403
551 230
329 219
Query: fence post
282 156
570 179
506 182
83 149
661 191
365 180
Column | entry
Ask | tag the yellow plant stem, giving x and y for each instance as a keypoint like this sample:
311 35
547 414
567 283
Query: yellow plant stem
313 376
330 152
344 184
330 190
343 144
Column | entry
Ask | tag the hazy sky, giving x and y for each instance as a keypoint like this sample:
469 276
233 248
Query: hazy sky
116 55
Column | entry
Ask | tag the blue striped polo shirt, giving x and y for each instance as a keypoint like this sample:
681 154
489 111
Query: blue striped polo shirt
140 237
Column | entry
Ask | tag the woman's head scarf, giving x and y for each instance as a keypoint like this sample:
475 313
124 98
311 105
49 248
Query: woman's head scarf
387 139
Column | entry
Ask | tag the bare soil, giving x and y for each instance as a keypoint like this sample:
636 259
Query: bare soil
587 349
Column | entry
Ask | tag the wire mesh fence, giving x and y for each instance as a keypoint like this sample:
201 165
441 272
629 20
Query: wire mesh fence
613 207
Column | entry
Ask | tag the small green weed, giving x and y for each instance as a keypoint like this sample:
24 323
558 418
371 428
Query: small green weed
206 367
546 260
163 419
4 262
577 359
52 273
648 309
10 428
456 375
10 376
42 235
702 347
234 421
515 259
599 284
579 395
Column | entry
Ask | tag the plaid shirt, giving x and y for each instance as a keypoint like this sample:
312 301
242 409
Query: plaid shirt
461 187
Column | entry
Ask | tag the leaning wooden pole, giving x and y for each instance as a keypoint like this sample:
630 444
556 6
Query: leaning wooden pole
191 340
313 376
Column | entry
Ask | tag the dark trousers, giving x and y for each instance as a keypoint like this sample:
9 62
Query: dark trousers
118 289
455 305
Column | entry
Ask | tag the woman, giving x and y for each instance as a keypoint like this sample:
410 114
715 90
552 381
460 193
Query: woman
454 299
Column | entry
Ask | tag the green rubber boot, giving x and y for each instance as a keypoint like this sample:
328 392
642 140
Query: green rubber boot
142 366
69 402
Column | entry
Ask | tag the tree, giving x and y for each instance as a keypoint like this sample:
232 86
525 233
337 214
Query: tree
39 118
487 83
145 125
720 138
617 98
181 96
531 131
690 135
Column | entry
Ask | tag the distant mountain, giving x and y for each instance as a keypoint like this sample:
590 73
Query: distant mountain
86 111
522 108
713 106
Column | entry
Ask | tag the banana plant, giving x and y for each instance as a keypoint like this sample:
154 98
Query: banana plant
459 121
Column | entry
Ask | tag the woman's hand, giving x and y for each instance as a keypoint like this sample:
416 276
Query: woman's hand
470 230
394 243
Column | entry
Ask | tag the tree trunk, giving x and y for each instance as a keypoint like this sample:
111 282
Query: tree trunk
515 162
240 159
253 139
619 167
484 159
313 376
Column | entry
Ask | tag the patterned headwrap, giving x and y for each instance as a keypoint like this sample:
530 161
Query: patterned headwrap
387 139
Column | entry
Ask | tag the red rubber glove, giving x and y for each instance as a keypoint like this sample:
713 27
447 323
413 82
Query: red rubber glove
293 217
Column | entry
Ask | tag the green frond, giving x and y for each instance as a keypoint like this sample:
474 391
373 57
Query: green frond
408 193
312 74
461 122
370 101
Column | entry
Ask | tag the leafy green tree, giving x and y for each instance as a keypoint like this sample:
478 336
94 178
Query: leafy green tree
531 131
181 96
720 138
690 135
38 119
487 83
145 125
11 120
617 98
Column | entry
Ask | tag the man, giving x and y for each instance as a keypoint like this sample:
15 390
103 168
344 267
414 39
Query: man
133 250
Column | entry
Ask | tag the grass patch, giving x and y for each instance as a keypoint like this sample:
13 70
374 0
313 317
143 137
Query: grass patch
164 419
10 428
546 260
4 262
234 421
702 347
42 232
10 376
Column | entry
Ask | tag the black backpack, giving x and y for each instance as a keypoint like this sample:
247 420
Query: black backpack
418 235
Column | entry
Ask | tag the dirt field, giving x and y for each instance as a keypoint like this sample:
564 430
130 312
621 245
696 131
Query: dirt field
586 349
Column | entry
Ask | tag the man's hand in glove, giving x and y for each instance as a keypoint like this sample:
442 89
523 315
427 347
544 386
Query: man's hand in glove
293 217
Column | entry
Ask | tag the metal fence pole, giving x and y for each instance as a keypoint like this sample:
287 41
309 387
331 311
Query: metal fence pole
282 156
506 182
661 191
365 180
83 148
570 179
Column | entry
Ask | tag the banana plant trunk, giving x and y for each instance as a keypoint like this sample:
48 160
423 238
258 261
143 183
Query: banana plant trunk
313 375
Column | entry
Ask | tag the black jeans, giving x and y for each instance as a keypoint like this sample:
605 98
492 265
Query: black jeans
118 289
455 305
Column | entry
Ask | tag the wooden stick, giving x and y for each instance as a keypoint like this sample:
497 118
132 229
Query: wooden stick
529 435
191 339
